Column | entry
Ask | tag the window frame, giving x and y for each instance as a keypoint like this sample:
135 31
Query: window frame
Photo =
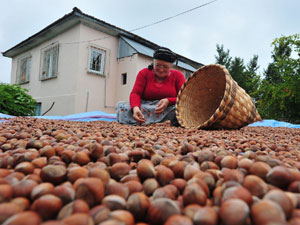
38 109
28 58
103 52
52 63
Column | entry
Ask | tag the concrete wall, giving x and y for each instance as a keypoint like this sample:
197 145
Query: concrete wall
94 91
62 89
75 89
130 65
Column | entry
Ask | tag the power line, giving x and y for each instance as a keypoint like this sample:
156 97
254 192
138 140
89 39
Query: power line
171 17
151 24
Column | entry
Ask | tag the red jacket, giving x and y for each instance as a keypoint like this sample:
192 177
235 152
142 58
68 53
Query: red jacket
147 88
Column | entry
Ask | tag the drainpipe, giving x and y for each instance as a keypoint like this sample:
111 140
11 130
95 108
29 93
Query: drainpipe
87 101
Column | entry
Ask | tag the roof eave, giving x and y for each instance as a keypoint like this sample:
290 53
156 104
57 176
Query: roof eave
66 22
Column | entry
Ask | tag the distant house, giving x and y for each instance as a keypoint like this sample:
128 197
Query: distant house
80 63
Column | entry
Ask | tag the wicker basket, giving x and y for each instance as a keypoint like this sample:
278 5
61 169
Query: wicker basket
211 99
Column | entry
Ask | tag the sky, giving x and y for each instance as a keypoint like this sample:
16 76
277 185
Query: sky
244 27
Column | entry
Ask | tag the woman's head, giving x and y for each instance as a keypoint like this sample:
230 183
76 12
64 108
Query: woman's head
162 61
161 68
164 54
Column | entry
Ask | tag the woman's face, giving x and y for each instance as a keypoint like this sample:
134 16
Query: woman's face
161 68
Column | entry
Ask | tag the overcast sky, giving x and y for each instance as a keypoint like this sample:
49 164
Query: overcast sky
245 27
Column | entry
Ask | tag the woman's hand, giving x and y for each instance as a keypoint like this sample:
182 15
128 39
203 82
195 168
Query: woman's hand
138 115
161 106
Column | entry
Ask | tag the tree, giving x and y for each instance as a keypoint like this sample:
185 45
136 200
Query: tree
252 79
279 93
246 76
237 70
223 58
15 101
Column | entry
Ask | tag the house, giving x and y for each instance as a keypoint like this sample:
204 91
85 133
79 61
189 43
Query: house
80 63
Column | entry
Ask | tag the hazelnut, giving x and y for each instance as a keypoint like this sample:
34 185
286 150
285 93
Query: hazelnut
54 174
6 192
114 202
7 210
266 212
239 193
96 150
75 173
138 204
161 209
24 218
191 209
150 185
165 192
205 215
193 193
145 169
99 213
234 211
245 163
89 189
179 183
279 197
190 171
81 158
179 168
24 188
25 167
78 218
119 170
229 162
205 155
41 189
134 186
164 175
47 151
279 176
22 202
77 206
117 189
123 216
260 169
178 220
65 192
255 185
47 206
100 173
207 178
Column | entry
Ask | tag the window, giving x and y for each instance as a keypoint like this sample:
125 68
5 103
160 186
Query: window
38 109
124 78
49 62
187 74
96 60
23 71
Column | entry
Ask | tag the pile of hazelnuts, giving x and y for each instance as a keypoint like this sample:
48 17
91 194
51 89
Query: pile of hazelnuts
56 172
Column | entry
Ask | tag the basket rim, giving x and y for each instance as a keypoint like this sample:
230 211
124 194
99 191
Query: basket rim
228 97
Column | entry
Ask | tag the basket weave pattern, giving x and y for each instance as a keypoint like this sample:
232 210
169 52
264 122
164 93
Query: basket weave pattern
211 99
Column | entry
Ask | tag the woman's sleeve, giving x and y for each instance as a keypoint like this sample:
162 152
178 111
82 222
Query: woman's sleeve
178 84
138 89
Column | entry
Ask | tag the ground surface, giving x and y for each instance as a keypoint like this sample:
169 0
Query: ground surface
107 173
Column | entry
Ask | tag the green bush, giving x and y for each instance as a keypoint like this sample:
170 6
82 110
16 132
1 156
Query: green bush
15 101
279 92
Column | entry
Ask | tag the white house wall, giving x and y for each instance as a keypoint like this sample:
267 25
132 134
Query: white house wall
61 90
75 89
96 92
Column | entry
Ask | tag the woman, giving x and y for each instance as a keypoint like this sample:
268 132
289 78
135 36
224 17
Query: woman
153 97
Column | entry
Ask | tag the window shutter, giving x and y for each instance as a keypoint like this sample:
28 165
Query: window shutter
28 70
49 67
